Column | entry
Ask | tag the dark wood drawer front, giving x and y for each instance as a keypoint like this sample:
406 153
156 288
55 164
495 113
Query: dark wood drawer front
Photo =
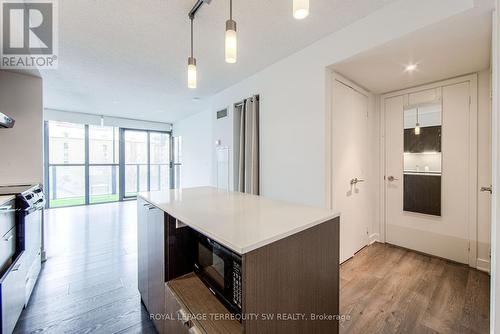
173 309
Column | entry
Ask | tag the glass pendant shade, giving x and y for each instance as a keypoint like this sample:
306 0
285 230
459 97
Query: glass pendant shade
231 42
192 72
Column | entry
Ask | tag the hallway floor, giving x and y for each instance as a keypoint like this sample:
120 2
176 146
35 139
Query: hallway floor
89 283
387 289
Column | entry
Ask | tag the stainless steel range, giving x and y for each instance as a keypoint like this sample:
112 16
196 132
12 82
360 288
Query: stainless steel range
22 263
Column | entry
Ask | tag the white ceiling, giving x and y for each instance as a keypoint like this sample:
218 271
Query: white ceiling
128 58
459 45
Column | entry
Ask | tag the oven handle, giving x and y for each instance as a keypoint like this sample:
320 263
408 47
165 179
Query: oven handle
7 209
33 209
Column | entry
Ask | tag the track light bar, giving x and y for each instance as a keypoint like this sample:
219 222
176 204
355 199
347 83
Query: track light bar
197 6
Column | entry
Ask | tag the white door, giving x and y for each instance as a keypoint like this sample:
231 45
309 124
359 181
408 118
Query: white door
447 235
484 175
350 151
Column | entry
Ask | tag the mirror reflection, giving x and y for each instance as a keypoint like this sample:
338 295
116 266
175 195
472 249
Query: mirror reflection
422 159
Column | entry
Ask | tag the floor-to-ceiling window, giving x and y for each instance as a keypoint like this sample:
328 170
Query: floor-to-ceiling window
66 164
147 161
159 161
136 162
84 166
104 160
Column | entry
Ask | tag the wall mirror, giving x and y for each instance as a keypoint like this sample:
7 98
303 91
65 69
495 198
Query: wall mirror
422 158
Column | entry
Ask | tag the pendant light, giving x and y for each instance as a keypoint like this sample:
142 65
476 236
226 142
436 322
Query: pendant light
300 9
231 37
192 63
417 126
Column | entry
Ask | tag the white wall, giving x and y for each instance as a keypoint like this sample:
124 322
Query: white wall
293 98
21 147
197 149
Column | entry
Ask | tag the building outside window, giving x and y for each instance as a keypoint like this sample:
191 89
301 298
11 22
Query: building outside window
83 163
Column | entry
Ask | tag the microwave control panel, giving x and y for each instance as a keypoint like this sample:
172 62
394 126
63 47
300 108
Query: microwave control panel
237 286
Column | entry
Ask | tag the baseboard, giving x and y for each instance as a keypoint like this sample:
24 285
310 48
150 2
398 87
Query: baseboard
483 265
373 238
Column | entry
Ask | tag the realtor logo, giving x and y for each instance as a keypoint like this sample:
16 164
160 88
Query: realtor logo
29 34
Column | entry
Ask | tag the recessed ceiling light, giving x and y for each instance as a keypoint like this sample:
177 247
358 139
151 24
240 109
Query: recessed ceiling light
196 99
411 67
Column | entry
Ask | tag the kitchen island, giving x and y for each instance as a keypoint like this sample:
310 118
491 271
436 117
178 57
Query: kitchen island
289 262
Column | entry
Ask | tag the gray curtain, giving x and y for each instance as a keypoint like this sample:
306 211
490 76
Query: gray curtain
248 168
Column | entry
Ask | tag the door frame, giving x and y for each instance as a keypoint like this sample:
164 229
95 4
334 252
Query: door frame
329 181
472 222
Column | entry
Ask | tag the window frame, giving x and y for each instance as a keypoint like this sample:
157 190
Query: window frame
170 164
120 165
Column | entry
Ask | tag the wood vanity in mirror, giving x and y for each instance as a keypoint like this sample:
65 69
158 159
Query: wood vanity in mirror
422 159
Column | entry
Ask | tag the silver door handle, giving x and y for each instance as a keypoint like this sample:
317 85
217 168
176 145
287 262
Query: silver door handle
9 238
356 181
488 189
392 178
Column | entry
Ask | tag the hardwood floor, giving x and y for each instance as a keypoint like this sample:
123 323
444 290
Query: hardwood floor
89 282
386 289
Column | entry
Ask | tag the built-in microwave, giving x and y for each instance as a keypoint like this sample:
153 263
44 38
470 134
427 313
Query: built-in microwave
220 269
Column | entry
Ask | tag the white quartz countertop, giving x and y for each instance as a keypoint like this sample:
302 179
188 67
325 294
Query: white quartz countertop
238 221
6 198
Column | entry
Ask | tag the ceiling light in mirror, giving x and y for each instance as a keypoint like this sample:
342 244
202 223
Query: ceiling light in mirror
410 67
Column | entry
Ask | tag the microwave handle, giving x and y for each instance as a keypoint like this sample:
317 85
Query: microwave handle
212 243
226 251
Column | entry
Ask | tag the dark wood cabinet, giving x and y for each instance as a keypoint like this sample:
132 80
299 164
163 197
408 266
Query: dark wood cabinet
180 249
429 140
173 309
298 274
156 265
142 250
151 260
422 194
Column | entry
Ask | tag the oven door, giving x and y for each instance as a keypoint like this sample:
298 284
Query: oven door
216 266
